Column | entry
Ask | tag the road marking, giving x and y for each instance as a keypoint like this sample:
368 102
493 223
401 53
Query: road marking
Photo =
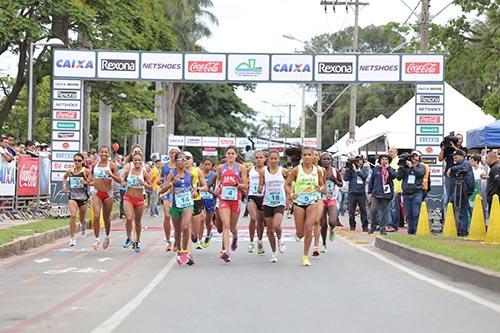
30 279
104 259
40 261
442 285
116 319
88 270
80 255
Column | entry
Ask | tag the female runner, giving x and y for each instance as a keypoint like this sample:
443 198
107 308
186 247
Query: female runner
319 205
104 173
304 195
136 179
78 195
167 199
272 178
231 181
208 200
333 180
255 204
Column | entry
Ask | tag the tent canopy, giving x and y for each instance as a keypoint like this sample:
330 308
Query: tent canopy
487 136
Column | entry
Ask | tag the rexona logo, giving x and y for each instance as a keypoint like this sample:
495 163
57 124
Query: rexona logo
291 68
433 99
422 68
335 68
64 63
62 94
248 68
118 65
156 65
205 66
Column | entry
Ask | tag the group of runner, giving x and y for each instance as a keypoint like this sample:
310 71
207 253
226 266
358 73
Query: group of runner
197 198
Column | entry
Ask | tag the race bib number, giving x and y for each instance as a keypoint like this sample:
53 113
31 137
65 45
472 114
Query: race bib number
306 198
274 199
229 193
75 182
330 186
387 189
254 189
411 179
359 180
183 199
100 174
206 195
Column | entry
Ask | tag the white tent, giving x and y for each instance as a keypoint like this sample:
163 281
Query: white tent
461 115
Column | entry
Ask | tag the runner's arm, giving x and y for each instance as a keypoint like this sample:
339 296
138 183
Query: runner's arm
167 185
261 181
244 179
203 182
288 184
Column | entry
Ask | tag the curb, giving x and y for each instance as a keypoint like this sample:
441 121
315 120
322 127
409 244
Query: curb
452 268
25 243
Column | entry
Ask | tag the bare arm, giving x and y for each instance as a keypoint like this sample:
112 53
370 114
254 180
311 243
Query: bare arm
167 185
288 184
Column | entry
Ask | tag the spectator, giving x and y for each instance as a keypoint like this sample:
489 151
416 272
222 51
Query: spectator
155 180
462 184
412 175
381 189
480 176
356 176
4 152
446 154
343 193
394 221
20 148
493 186
30 149
10 148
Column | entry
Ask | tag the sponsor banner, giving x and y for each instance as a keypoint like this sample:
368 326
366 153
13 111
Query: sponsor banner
44 175
66 94
118 65
62 166
28 169
436 181
66 115
175 140
274 144
67 84
65 105
66 125
66 135
261 144
335 68
66 145
203 67
430 89
428 140
429 119
57 176
291 67
210 141
429 150
63 155
436 170
193 141
248 67
431 160
72 63
224 142
242 142
209 151
430 99
309 142
294 141
161 66
422 67
378 68
430 109
7 178
430 129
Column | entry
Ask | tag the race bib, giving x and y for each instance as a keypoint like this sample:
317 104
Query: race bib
274 199
387 189
254 189
229 193
183 199
206 195
411 179
306 198
330 186
75 182
359 180
100 173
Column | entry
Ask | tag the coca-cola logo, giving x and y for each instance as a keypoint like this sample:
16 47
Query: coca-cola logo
28 177
422 68
205 66
66 115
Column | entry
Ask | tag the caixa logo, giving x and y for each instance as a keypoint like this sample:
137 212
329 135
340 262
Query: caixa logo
118 65
289 68
74 63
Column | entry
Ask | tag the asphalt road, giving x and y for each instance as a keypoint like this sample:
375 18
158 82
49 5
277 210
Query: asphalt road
352 288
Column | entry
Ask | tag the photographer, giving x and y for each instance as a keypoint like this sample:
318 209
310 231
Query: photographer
493 185
356 177
411 172
450 143
462 184
381 189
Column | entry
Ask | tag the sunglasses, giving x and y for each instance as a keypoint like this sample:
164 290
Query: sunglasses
188 158
182 159
77 160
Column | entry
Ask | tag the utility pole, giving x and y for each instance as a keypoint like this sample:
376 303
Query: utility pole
303 117
319 116
289 119
424 27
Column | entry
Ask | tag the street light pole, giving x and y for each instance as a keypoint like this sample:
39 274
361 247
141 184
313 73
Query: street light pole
30 94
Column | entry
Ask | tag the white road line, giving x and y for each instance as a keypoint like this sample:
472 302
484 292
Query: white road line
116 319
468 295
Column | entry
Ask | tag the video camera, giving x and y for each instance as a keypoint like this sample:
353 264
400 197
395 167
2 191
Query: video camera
449 140
353 162
403 158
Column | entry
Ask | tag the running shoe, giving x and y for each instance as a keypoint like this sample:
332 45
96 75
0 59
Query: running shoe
297 239
260 248
178 259
72 242
96 244
198 245
332 234
194 238
274 258
281 246
234 244
206 242
127 243
137 247
168 246
251 247
184 257
190 261
225 256
315 251
323 249
105 244
83 229
305 261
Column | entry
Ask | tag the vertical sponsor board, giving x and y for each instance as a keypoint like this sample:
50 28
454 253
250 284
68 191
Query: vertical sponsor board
28 170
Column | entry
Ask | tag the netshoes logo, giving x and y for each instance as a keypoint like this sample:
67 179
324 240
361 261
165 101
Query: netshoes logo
74 63
157 65
121 65
299 68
